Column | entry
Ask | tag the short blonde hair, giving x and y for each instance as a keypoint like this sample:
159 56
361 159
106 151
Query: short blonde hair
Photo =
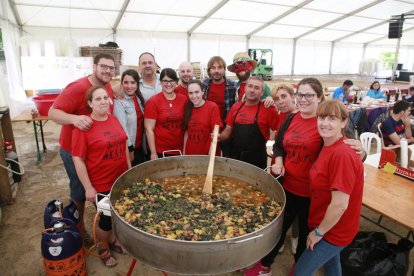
288 88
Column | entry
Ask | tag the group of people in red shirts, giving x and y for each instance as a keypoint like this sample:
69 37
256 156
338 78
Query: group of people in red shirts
155 117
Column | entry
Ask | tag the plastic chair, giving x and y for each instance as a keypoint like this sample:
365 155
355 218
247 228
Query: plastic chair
366 139
380 134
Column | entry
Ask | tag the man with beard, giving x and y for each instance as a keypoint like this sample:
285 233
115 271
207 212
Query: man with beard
243 66
150 82
186 73
220 90
70 111
249 123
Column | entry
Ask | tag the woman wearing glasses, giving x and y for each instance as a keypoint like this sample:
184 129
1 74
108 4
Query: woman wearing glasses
296 148
163 117
129 111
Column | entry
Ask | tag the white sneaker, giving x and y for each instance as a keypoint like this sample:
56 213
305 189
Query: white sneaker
282 249
294 242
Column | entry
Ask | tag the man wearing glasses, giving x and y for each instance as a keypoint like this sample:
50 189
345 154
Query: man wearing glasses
70 111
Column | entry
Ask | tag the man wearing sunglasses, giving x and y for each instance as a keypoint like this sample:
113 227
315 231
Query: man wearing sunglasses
70 111
243 66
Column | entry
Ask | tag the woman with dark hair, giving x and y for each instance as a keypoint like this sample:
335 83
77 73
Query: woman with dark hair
130 112
163 118
200 117
375 91
100 157
336 187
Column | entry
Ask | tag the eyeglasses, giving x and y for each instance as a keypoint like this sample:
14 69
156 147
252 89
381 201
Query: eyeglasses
299 96
106 67
168 81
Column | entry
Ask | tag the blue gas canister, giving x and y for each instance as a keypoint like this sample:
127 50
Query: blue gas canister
62 249
54 210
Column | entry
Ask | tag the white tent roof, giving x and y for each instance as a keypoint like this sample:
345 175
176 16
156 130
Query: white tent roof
357 21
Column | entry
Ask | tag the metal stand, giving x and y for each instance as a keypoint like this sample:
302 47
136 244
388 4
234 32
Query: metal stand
132 266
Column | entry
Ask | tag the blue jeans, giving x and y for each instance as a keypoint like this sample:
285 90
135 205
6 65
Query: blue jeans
324 254
77 192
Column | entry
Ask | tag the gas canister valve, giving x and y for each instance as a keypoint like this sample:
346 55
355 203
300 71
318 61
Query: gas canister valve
103 205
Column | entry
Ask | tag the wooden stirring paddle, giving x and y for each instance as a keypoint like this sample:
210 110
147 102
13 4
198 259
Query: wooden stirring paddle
208 185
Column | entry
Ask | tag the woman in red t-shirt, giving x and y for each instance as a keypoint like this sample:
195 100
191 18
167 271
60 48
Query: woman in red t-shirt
100 157
336 187
163 118
200 117
296 148
284 98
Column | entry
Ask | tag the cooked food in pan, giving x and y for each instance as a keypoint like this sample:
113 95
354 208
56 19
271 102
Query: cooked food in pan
175 208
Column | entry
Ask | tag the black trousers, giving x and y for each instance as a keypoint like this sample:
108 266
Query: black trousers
296 206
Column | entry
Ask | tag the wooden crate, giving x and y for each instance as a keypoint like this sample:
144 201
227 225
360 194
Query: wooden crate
116 53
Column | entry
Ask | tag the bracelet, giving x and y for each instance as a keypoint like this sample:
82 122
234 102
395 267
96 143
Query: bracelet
131 148
317 233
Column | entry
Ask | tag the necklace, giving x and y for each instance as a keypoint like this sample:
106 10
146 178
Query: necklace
170 101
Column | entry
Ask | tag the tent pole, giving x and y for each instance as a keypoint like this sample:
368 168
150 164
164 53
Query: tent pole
293 56
189 47
397 51
331 57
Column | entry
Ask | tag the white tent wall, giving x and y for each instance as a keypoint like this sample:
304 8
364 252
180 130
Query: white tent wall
312 57
67 41
170 49
346 58
11 87
204 46
406 54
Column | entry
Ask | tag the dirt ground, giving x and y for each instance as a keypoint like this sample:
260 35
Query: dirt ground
22 222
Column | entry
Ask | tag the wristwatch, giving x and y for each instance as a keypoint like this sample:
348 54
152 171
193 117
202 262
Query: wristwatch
317 233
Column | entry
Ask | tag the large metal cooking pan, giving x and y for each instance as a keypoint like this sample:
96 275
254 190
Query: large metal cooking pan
198 257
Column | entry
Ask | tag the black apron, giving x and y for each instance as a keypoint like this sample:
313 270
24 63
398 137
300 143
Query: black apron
249 145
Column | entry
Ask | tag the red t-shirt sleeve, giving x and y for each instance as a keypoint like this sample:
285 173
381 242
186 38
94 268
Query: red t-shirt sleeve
215 116
339 174
151 109
79 139
230 116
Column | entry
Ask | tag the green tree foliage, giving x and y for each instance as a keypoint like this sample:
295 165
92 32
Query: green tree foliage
387 60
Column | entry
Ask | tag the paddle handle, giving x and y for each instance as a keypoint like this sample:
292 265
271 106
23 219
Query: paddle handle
208 185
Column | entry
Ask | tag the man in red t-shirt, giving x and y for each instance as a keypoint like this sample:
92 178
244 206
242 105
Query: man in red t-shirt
221 91
185 73
249 123
70 111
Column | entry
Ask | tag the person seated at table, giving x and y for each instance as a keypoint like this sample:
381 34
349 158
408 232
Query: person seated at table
375 91
410 96
342 92
336 188
397 125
